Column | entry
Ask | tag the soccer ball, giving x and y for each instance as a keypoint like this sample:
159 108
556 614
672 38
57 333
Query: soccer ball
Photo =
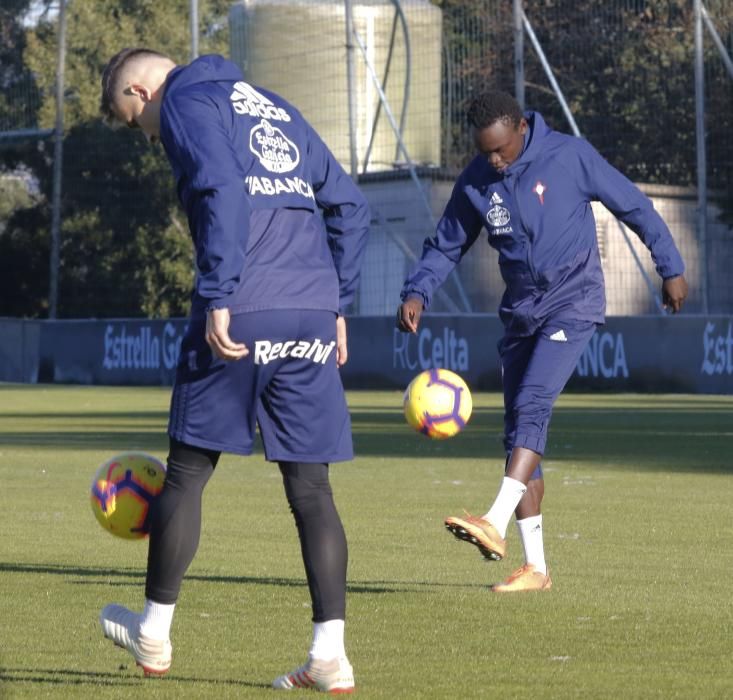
122 491
438 403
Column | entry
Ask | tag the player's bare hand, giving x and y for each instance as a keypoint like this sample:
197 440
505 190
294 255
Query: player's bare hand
217 336
674 293
408 315
342 351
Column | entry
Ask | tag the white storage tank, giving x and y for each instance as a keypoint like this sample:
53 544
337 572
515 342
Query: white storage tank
297 48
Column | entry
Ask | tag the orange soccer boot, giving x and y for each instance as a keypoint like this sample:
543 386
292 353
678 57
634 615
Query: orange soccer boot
479 532
524 578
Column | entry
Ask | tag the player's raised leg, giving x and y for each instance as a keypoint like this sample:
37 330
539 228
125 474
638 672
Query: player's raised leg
551 363
174 537
535 371
490 536
488 532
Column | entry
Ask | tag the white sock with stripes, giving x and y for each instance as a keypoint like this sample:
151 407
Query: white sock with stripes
530 530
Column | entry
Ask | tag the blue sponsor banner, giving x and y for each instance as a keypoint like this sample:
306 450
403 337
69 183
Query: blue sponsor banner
381 356
660 354
116 351
655 354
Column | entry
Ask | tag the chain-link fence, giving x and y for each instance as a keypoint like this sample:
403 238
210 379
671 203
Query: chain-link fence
390 97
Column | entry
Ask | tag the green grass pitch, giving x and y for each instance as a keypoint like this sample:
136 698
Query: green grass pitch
638 532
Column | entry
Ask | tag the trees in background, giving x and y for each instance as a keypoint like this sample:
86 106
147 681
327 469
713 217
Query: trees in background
624 66
125 248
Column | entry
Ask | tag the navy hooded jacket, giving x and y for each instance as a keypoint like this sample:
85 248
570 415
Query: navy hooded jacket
275 220
538 216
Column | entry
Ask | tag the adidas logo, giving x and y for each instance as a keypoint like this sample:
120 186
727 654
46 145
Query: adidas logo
559 336
244 91
496 199
248 101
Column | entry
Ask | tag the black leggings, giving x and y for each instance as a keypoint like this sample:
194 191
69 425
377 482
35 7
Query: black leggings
175 528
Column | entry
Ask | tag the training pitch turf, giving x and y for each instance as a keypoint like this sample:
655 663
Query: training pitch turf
638 531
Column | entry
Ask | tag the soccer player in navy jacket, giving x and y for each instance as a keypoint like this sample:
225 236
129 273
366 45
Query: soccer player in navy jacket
530 188
279 231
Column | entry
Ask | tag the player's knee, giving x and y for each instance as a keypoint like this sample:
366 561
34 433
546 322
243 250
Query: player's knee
532 410
307 488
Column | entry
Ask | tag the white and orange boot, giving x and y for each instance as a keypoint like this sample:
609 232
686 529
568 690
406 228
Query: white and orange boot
335 676
122 626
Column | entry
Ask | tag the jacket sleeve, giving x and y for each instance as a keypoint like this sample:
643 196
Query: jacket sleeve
456 232
217 206
629 204
345 214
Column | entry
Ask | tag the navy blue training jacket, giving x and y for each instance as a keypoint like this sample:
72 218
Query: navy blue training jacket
275 220
538 216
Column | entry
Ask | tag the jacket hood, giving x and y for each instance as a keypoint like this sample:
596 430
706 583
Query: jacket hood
538 131
203 69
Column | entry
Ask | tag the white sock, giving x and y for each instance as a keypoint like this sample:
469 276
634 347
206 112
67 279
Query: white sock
156 620
507 500
530 530
328 640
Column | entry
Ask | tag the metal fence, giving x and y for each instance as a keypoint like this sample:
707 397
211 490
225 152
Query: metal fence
387 83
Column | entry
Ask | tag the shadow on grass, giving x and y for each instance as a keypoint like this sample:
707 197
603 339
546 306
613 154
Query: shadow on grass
101 576
91 415
98 678
114 441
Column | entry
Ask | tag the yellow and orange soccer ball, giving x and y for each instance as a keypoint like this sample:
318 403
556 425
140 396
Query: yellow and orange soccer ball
123 489
438 403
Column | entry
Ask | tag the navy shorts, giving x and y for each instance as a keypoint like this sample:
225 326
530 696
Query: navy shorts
289 384
535 369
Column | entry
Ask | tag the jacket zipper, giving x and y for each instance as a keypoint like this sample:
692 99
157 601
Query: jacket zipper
530 247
